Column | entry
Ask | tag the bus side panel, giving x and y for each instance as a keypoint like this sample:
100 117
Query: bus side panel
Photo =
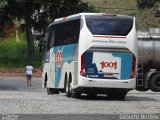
64 63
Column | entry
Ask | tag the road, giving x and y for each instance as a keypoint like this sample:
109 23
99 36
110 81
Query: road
17 98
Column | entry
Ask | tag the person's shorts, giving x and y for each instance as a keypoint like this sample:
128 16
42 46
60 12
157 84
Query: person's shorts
29 76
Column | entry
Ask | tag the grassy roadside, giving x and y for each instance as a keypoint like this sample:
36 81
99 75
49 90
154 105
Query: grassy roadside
14 54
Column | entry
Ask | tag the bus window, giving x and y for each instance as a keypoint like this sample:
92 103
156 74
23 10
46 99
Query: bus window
67 32
51 37
104 25
48 41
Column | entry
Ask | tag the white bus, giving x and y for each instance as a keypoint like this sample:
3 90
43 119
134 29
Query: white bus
91 53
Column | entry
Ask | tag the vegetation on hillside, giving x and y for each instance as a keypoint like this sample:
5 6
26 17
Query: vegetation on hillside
37 14
14 54
143 10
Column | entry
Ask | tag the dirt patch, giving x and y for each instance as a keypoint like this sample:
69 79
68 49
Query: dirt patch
18 72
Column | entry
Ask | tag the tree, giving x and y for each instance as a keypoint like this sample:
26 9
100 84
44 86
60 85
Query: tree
37 14
142 4
15 10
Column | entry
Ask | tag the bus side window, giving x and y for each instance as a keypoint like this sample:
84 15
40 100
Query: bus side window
67 32
46 57
46 52
49 41
45 42
52 35
73 31
57 35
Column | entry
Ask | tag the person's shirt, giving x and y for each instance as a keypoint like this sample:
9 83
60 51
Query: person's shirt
29 70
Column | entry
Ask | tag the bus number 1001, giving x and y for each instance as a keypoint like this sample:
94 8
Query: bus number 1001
108 64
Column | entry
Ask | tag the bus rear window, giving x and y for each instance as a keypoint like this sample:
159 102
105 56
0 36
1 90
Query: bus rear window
109 25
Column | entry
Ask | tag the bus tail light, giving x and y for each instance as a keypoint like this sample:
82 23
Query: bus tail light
133 72
82 72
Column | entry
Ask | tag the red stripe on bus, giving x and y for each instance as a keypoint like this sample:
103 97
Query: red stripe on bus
110 36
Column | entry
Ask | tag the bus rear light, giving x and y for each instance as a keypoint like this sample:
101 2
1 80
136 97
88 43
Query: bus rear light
133 72
82 72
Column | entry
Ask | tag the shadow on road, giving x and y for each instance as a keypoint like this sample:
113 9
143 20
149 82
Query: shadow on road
128 98
19 84
8 87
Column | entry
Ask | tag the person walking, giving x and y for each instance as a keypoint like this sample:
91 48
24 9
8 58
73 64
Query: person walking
29 73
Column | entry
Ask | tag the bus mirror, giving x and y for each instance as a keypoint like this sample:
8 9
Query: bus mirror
45 45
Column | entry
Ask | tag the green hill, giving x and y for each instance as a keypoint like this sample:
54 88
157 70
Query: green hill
143 10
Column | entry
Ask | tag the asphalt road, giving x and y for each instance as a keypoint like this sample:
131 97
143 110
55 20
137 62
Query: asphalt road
17 98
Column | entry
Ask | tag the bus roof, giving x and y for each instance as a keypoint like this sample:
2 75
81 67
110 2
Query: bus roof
71 17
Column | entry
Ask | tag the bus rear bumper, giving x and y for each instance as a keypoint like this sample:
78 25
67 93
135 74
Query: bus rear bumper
98 90
103 83
103 86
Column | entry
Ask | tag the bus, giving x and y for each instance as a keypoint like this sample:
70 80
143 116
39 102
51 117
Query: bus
91 53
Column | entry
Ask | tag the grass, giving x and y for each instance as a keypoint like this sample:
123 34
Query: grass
14 54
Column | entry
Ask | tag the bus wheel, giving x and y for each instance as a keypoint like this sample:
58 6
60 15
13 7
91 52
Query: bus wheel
68 88
155 83
45 81
52 91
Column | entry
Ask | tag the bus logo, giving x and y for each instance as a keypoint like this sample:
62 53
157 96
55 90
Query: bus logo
59 56
108 64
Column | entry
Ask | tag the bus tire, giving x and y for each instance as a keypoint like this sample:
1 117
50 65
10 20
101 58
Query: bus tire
154 83
52 91
68 88
45 81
